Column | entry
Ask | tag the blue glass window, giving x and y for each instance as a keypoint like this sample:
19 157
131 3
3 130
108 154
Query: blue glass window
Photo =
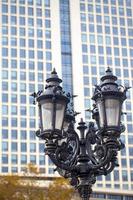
48 66
22 53
4 146
4 109
48 55
31 54
4 40
121 11
30 11
13 86
13 98
4 159
39 33
115 30
47 23
123 31
4 19
4 134
23 135
84 38
13 75
131 42
114 20
99 29
41 160
100 39
4 121
129 12
98 8
32 135
92 49
30 21
22 21
14 146
4 52
123 42
13 9
23 147
84 48
82 7
23 159
116 175
14 122
4 97
4 74
106 19
33 159
5 169
48 34
122 21
13 20
107 29
93 59
99 18
4 30
4 8
90 8
113 10
91 18
91 28
23 122
23 110
100 50
32 123
31 32
14 159
32 147
124 175
129 22
116 51
108 50
14 134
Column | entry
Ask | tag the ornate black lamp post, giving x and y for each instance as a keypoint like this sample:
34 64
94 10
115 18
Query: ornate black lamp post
93 152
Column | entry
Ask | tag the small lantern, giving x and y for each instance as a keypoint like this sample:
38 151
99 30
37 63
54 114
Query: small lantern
95 115
68 119
109 99
52 105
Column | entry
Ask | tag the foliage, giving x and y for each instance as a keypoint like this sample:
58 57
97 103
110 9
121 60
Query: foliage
18 188
59 190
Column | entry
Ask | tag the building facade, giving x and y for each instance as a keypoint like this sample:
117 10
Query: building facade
80 38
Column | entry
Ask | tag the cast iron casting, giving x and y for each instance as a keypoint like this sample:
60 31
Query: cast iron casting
84 154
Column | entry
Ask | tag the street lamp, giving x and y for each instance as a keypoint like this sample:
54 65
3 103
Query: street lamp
93 152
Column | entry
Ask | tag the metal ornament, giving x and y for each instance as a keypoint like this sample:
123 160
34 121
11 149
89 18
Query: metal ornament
93 152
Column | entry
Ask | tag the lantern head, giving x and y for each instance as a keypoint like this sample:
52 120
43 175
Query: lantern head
52 105
109 97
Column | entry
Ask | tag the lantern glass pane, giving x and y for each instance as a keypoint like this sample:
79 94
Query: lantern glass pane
66 125
112 107
47 115
100 105
60 111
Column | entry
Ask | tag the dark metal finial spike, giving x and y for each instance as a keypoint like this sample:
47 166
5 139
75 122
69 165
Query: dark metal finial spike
109 69
81 120
54 71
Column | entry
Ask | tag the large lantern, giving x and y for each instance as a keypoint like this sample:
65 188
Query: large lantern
52 105
109 97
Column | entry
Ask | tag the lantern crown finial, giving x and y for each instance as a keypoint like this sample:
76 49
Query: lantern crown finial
54 78
109 70
54 71
108 76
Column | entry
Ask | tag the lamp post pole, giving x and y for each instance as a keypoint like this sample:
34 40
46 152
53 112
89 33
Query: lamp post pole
93 152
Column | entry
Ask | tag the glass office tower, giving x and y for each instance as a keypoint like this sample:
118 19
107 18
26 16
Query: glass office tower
80 38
